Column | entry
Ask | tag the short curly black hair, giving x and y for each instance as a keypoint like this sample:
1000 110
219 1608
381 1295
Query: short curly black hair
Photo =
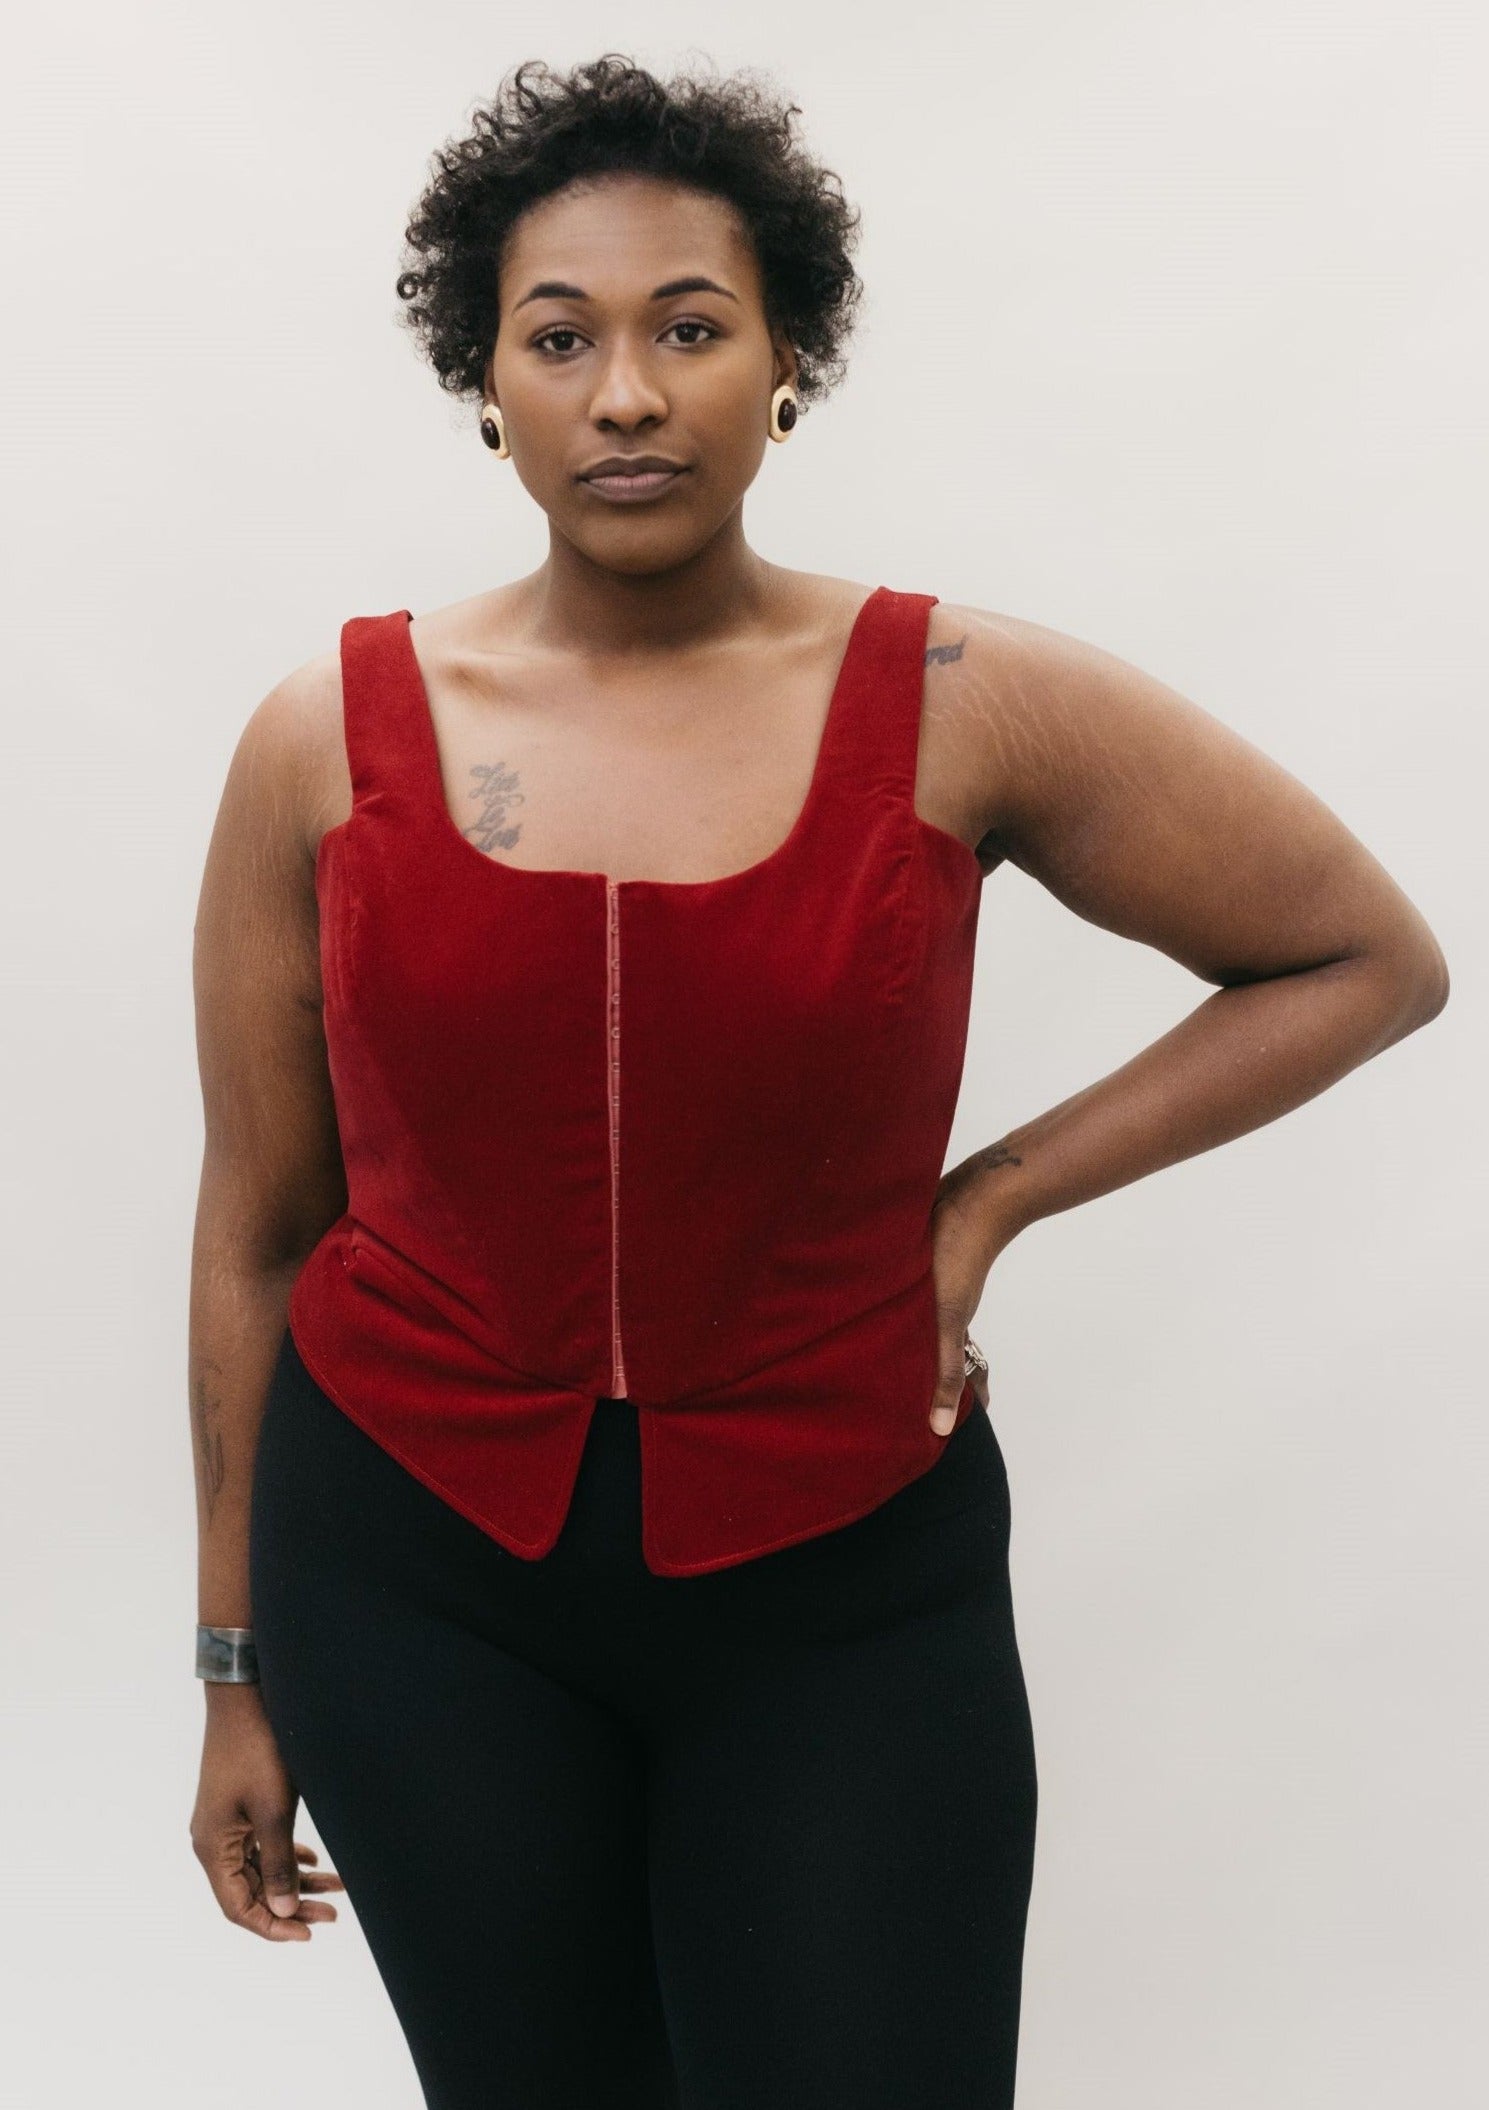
732 138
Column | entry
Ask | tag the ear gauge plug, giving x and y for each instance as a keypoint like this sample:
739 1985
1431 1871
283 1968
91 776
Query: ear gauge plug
782 411
494 432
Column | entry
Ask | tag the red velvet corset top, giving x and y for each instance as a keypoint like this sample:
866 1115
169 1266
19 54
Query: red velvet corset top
671 1142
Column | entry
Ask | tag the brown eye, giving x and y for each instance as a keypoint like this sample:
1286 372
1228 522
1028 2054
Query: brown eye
567 330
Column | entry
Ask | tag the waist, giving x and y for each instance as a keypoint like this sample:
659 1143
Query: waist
790 1447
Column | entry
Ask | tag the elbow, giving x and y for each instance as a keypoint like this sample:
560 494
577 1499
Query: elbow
1416 977
1429 981
1409 966
1438 986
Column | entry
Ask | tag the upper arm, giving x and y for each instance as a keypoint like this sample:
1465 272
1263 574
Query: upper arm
1148 816
272 1172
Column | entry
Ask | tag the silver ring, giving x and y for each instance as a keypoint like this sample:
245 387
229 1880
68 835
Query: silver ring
972 1358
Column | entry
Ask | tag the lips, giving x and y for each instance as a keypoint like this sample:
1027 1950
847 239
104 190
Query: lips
633 479
628 465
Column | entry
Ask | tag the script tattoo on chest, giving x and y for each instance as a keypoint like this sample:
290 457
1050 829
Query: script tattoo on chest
495 791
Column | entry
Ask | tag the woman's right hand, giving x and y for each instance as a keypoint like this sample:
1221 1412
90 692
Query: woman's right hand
242 1829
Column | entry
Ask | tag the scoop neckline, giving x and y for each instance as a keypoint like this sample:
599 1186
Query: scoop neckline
445 824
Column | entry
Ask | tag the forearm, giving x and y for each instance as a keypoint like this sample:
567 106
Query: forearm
1246 1055
237 1319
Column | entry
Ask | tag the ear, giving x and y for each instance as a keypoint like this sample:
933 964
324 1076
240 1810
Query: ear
786 368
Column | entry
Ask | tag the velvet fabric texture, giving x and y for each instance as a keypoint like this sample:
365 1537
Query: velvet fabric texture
673 1142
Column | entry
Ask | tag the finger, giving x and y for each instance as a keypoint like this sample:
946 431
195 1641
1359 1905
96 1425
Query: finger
252 1913
278 1863
949 1392
314 1885
315 1879
310 1909
232 1870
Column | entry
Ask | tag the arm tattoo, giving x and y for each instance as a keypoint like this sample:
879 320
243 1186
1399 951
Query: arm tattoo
993 1156
942 655
496 789
211 1469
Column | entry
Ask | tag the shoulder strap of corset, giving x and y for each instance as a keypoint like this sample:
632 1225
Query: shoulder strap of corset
384 717
873 735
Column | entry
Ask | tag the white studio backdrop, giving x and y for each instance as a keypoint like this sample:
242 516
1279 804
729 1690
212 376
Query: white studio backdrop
1174 339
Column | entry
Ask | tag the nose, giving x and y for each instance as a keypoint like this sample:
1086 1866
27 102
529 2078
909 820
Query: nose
627 392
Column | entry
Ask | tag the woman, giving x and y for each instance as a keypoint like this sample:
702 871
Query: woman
598 1527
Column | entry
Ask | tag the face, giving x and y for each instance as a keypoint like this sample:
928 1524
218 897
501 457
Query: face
632 323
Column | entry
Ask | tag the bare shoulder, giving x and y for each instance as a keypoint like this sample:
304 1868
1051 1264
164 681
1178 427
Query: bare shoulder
993 679
1045 725
291 756
976 709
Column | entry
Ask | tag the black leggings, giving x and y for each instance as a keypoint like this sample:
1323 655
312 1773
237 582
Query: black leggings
760 1839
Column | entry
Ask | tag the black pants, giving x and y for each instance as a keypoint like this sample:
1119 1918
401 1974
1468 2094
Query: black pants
760 1839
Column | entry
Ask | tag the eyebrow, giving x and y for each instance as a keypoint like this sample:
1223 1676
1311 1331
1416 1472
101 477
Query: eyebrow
560 289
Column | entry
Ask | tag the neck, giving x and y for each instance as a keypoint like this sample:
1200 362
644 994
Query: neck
574 604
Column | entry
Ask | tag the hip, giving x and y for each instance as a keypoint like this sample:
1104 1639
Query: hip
340 1512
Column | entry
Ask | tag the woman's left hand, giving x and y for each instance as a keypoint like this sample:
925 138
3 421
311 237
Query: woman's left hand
961 1260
